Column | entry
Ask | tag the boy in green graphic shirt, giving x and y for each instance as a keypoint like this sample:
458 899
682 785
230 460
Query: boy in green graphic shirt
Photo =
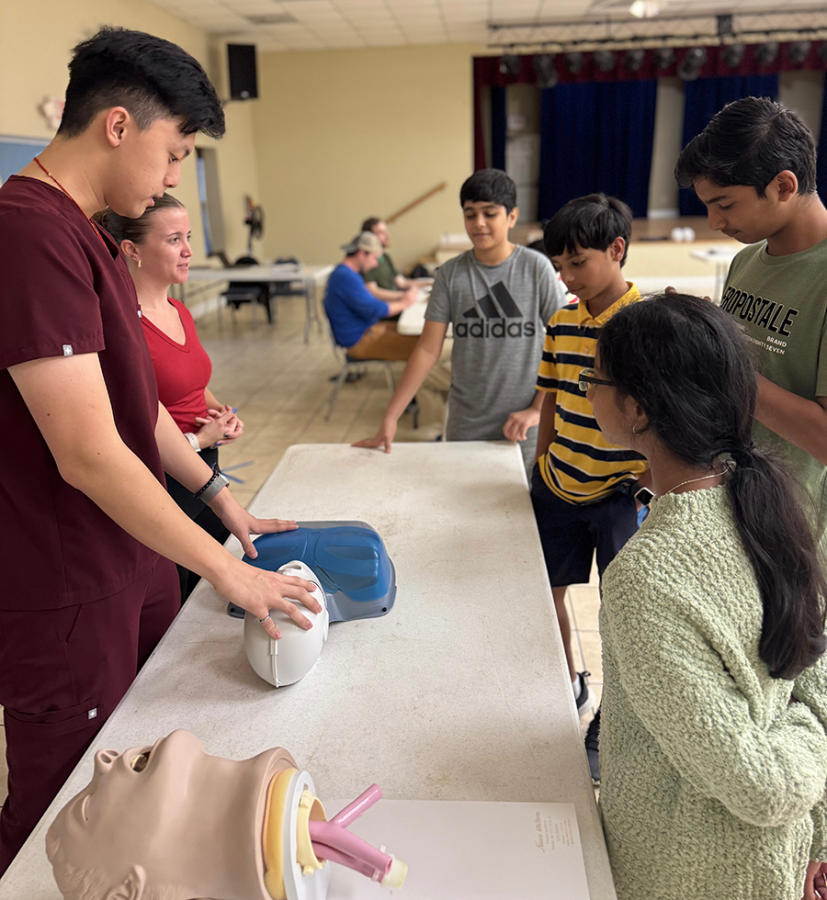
754 167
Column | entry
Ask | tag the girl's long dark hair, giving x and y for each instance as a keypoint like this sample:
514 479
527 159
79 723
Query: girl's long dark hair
686 363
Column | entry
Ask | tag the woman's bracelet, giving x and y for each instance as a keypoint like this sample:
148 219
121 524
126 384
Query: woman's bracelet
193 439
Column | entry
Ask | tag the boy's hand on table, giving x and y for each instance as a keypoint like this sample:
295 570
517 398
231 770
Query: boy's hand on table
671 290
384 438
518 423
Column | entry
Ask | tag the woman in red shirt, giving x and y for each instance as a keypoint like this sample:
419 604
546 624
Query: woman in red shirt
157 250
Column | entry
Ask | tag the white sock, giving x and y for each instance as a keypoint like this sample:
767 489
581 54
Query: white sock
576 686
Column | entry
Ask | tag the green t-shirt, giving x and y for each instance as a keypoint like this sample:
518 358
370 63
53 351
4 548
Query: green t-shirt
780 302
384 274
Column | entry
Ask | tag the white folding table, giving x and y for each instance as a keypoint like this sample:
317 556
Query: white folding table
461 692
310 276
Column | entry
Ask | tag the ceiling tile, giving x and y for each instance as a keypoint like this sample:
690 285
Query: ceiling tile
385 41
427 41
299 7
256 8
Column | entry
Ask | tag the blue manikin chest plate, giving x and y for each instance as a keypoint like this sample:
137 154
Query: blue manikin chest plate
349 558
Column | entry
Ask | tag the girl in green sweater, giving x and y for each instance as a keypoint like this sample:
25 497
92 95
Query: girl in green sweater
713 747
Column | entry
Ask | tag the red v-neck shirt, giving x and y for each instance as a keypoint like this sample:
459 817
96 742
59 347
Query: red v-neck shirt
64 291
182 370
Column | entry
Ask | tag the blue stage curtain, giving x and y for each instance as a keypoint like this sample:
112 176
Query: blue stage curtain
597 136
705 97
821 160
498 126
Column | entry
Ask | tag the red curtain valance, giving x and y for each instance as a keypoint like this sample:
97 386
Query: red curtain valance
487 73
487 68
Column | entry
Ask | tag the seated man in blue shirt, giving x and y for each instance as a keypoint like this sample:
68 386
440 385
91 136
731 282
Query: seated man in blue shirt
355 314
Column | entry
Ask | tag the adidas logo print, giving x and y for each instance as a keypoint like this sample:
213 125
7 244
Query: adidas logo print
493 315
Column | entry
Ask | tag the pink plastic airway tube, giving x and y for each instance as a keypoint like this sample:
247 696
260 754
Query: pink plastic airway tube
359 806
332 841
322 851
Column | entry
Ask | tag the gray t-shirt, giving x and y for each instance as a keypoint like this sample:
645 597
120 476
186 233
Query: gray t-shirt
499 314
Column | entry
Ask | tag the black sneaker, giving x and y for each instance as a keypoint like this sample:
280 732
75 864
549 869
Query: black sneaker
593 747
586 699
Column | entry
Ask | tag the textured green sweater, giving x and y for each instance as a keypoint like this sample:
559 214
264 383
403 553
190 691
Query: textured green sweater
712 783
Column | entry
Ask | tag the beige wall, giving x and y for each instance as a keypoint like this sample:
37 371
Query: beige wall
35 45
346 134
668 142
803 92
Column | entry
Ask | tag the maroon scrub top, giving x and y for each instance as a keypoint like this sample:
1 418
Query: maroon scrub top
64 291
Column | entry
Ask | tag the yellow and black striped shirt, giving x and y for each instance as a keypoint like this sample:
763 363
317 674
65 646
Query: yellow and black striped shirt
581 466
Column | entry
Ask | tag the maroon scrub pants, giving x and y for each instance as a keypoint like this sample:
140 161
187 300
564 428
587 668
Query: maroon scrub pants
62 673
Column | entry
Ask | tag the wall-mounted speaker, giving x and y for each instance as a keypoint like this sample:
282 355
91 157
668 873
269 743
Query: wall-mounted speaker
241 64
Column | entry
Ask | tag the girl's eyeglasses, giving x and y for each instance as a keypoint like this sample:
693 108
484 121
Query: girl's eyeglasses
588 379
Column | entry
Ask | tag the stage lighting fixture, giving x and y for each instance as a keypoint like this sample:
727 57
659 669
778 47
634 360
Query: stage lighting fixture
734 55
509 64
798 51
633 59
690 66
575 61
605 60
644 9
724 23
664 57
767 53
545 70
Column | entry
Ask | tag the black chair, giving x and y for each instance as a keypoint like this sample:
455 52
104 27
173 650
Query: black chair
253 292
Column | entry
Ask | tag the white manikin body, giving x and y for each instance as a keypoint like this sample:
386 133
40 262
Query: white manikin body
289 659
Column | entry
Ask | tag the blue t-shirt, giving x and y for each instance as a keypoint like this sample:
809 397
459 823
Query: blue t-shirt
350 306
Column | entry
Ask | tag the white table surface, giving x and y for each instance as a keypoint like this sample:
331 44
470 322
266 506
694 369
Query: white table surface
460 693
412 320
723 254
259 273
720 257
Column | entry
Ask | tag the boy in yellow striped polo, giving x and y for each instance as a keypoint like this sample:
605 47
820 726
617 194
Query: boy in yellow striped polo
582 486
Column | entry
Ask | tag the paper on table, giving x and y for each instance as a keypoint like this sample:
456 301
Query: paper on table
471 851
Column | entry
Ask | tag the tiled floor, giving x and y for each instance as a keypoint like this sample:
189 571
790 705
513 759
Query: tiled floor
280 385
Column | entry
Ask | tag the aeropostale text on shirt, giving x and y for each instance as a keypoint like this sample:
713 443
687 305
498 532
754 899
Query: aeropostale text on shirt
765 313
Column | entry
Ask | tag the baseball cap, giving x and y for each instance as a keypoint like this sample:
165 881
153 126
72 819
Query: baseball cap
366 241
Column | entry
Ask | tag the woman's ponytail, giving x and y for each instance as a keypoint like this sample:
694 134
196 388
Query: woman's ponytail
779 541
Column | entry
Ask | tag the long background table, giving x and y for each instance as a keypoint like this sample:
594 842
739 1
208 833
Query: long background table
310 277
460 693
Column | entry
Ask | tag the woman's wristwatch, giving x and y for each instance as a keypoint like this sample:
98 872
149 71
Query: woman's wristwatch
193 439
209 492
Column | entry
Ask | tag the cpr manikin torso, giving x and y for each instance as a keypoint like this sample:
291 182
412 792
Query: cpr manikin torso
170 822
285 661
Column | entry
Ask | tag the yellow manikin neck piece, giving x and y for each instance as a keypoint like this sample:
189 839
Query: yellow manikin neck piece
273 834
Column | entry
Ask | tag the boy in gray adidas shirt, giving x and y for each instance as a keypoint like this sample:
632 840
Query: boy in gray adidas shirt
498 297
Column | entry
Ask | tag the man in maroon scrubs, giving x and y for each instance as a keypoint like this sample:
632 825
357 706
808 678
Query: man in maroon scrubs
86 595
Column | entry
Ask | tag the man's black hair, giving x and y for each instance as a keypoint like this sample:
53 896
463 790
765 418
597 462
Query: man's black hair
591 222
489 186
371 223
150 77
748 143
